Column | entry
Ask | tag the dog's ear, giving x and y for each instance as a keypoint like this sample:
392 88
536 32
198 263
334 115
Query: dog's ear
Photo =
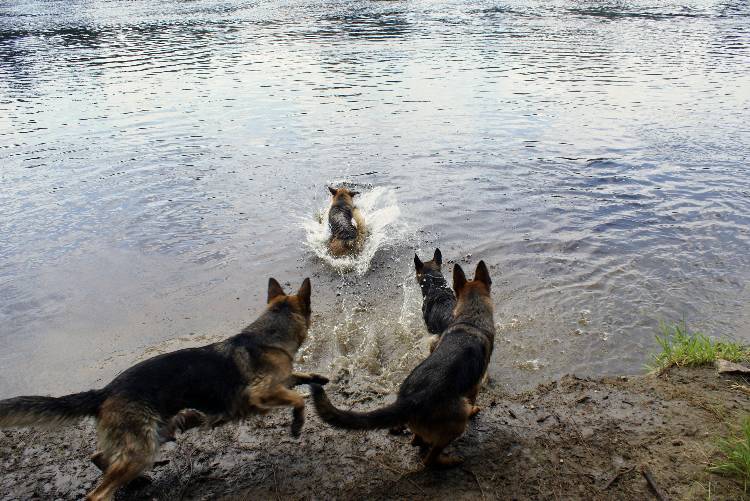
332 190
438 257
418 264
352 193
482 274
304 293
459 279
274 289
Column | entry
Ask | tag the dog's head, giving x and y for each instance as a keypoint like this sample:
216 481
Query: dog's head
471 290
342 195
432 265
298 303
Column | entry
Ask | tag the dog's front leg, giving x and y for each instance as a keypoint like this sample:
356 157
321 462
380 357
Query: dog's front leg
281 396
298 378
434 342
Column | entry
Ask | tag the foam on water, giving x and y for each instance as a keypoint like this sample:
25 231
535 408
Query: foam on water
379 207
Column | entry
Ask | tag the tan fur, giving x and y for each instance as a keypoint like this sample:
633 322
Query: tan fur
339 248
359 220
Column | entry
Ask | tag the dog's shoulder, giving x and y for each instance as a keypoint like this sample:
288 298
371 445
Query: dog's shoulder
260 350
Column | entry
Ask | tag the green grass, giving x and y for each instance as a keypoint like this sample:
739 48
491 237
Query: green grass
736 455
682 348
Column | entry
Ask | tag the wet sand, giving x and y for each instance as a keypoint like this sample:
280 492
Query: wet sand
573 438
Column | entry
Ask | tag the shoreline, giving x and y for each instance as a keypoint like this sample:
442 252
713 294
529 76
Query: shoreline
572 438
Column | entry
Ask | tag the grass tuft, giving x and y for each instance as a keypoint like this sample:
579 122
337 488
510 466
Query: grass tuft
736 455
682 348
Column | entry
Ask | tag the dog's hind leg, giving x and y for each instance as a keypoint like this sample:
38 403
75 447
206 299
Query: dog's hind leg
359 220
128 466
184 420
129 442
439 437
436 459
472 399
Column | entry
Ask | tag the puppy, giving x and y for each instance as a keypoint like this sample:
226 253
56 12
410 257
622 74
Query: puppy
437 399
249 373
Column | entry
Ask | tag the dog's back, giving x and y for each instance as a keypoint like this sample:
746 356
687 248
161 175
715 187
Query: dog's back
438 299
452 370
340 221
346 236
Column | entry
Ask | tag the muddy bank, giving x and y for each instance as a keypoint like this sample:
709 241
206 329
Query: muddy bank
568 439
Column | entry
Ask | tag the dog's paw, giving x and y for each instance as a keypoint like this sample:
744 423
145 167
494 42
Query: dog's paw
318 379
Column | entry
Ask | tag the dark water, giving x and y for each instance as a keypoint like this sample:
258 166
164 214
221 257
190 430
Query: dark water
159 160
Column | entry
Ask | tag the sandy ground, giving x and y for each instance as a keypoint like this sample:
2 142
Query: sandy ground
568 439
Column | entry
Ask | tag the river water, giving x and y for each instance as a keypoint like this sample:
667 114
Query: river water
160 160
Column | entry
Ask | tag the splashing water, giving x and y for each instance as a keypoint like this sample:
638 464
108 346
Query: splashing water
374 353
380 210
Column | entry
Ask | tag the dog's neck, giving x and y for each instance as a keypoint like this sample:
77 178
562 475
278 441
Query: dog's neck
433 282
284 330
476 311
342 204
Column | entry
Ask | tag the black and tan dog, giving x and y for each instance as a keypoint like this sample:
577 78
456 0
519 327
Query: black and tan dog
346 223
438 300
248 373
437 399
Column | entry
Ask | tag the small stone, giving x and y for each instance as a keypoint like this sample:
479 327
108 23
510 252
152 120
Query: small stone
731 367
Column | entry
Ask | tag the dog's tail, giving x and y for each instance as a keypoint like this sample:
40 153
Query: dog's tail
50 411
386 417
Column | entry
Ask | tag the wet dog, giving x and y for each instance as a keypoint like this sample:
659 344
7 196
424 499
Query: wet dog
249 373
346 223
438 299
437 399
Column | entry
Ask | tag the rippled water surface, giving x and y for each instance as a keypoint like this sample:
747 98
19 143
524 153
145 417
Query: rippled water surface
159 160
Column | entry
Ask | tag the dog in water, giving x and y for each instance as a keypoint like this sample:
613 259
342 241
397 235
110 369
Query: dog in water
249 373
346 223
437 399
438 299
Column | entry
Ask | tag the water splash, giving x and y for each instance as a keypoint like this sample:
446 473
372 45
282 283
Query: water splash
379 207
378 355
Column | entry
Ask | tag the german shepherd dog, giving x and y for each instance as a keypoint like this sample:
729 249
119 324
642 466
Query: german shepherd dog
347 237
249 373
438 299
437 399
